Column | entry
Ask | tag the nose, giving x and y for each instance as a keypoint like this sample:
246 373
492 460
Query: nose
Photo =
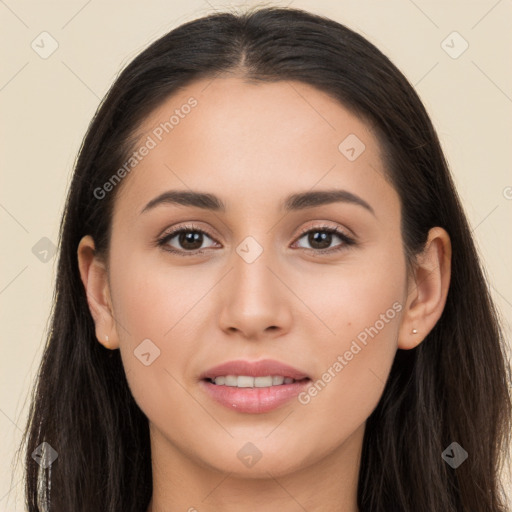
255 301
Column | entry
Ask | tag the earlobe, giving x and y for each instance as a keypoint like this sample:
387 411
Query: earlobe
428 290
95 280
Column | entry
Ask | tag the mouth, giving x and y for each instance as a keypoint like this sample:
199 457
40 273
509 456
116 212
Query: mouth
253 387
253 395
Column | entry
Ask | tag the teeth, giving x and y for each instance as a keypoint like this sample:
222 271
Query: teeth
229 380
245 381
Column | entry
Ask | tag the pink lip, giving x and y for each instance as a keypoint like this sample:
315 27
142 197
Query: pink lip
254 400
253 369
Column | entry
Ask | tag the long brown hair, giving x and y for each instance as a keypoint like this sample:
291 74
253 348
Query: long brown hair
455 386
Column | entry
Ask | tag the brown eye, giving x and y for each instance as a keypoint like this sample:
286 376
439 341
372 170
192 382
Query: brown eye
321 238
186 239
190 239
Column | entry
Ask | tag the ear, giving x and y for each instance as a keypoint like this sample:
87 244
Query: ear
94 277
427 289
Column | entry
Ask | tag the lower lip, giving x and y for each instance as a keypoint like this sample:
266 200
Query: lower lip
254 400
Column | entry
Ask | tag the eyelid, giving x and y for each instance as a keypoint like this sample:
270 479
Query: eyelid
187 226
335 227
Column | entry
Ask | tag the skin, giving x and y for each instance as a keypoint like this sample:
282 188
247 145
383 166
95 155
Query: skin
252 145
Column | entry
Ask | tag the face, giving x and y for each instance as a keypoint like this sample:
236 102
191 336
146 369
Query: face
317 285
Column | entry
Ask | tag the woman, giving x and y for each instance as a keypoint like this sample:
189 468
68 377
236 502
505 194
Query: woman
268 296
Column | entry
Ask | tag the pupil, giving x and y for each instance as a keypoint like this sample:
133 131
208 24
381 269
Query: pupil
323 237
189 238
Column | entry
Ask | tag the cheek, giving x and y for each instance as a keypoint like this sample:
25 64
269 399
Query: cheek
154 300
158 309
355 355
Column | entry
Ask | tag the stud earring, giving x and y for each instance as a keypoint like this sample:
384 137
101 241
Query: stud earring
106 337
414 331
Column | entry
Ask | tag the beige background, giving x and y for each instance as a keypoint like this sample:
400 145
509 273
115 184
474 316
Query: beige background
46 105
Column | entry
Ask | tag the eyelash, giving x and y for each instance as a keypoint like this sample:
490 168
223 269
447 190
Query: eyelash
163 240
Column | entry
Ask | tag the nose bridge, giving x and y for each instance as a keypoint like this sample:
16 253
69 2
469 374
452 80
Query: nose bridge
252 259
255 248
254 300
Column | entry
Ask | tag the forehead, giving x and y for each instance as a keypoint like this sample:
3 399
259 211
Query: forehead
264 140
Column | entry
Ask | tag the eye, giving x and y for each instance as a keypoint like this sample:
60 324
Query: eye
189 239
321 237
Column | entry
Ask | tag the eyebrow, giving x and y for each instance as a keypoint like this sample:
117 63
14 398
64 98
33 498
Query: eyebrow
294 202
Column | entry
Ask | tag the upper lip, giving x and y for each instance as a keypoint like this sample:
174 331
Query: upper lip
260 368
